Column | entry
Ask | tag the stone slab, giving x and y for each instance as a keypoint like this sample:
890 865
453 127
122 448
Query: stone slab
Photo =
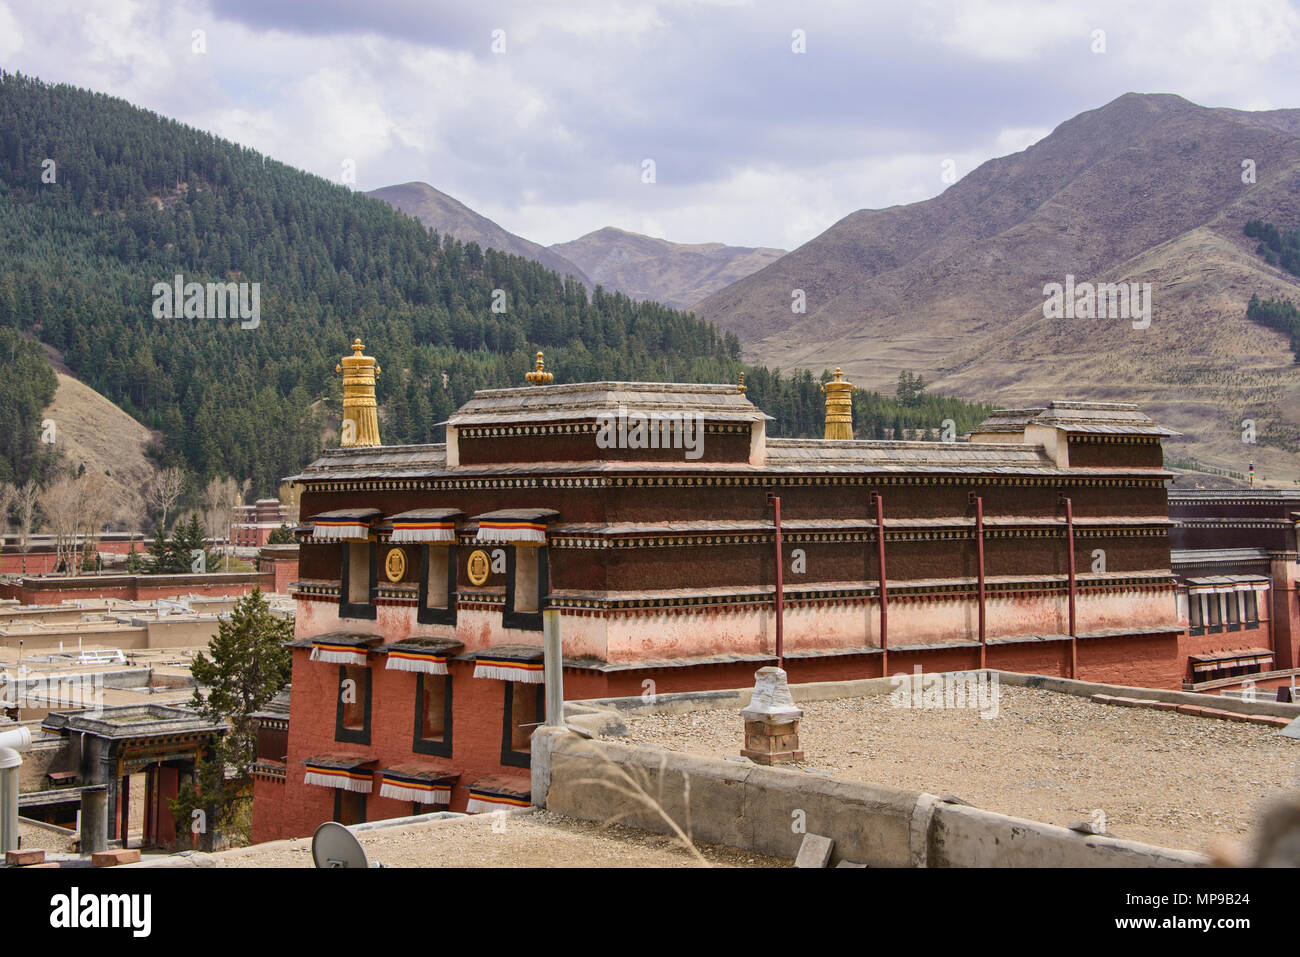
815 851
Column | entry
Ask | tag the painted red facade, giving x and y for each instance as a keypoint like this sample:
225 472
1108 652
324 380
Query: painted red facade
660 565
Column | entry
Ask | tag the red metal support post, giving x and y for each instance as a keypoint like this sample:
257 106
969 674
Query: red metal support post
1069 538
775 502
978 502
879 501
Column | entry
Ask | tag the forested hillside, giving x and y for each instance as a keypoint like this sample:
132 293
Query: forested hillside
100 200
26 387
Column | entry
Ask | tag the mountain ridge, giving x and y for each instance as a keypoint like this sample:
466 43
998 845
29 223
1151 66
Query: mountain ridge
1146 188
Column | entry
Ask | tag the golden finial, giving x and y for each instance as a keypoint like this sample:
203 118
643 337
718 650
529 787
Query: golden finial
539 376
839 407
741 388
360 424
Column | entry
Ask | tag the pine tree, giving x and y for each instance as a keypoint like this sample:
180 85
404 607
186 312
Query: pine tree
248 667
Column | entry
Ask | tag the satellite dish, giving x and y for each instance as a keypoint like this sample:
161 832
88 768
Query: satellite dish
333 845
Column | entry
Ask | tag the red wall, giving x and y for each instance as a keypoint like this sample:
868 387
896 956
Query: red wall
47 591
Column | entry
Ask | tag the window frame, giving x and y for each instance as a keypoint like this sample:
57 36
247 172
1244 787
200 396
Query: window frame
351 609
353 735
1251 600
424 614
526 620
1195 624
419 743
510 757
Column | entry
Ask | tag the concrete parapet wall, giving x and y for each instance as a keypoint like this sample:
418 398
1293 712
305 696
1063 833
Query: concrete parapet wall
767 810
756 808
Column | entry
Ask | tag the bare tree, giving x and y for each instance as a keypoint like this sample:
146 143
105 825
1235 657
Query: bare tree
290 498
61 505
165 490
25 508
96 506
7 495
221 497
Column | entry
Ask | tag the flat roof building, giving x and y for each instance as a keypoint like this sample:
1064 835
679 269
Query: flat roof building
643 515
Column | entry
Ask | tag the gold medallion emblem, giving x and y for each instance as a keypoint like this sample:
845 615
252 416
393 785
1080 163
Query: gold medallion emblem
479 567
395 565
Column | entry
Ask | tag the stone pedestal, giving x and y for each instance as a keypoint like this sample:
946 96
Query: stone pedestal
771 721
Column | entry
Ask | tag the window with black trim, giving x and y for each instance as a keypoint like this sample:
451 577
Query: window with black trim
1216 611
527 584
1234 612
437 605
359 579
1194 619
524 711
432 715
349 807
352 723
1252 607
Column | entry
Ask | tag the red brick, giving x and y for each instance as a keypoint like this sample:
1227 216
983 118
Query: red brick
24 858
1163 705
1269 720
115 857
1191 709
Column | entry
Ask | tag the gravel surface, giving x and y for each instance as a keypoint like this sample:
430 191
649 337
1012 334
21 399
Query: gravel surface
531 838
1160 777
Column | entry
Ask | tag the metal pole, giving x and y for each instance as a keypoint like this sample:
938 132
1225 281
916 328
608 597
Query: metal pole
884 601
979 553
1074 634
775 502
553 667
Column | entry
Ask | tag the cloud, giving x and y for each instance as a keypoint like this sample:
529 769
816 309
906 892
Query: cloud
754 144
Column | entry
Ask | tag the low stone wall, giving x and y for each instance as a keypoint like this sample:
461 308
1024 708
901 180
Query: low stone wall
768 809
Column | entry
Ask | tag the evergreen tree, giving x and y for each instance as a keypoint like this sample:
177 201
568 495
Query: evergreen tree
248 667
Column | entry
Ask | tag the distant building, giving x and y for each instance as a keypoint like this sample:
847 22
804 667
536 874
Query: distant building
253 524
1235 555
425 570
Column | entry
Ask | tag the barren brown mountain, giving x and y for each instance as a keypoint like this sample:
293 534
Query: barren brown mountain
1148 188
676 274
437 210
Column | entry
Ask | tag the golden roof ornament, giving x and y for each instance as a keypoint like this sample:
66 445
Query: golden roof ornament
839 407
741 388
539 376
360 425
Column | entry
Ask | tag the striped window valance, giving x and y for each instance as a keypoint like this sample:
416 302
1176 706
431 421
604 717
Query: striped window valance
343 525
345 772
425 526
523 664
342 649
429 659
498 794
1232 659
419 784
520 526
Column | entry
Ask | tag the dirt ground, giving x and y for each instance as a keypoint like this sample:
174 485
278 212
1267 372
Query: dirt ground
530 838
1160 777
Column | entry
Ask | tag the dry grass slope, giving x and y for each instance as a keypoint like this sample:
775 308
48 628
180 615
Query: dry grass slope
91 430
1145 189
